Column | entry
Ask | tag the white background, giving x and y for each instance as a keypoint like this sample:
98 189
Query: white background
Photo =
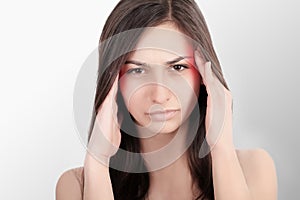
44 43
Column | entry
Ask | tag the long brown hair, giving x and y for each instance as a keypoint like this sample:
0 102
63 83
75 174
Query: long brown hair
133 14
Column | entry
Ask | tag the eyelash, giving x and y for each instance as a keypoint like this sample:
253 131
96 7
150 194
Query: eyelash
183 67
134 71
138 70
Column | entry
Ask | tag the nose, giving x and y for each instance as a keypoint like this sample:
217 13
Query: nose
159 94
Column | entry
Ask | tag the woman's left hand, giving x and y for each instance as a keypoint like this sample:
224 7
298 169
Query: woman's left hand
218 121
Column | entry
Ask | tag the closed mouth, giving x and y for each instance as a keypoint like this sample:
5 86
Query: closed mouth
162 115
162 111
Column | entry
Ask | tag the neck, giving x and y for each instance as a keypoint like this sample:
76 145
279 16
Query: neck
166 158
153 142
173 181
163 149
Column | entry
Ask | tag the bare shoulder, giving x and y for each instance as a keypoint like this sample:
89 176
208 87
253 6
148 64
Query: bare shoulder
251 156
70 184
260 172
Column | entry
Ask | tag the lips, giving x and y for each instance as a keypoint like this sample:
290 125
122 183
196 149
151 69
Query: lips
162 115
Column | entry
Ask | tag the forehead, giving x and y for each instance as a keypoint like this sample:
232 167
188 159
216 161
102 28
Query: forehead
162 42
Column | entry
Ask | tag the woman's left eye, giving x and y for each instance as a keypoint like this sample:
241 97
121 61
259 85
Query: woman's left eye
179 67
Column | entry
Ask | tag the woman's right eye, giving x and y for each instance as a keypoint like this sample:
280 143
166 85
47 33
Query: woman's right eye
136 71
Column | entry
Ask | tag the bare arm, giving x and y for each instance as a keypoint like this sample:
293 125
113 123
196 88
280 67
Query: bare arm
256 178
248 176
97 183
228 179
104 143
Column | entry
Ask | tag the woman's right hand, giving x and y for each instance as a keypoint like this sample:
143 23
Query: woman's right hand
106 136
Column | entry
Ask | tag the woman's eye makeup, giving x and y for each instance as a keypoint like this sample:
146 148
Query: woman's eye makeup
136 71
179 67
144 70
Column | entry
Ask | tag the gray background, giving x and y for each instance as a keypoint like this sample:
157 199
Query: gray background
44 43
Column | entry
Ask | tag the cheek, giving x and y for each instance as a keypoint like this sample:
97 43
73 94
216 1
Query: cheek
189 92
192 82
136 107
134 102
126 89
132 95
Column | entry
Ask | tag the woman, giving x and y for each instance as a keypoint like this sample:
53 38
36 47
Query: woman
162 83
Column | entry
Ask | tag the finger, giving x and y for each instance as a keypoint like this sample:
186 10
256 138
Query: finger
204 68
199 63
114 88
208 72
110 100
113 99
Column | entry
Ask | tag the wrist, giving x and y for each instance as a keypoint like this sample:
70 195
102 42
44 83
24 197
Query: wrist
222 147
224 141
95 163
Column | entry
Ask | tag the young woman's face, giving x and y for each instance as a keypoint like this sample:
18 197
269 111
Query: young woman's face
160 82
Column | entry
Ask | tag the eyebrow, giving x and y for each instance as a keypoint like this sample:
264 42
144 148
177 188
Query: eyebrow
167 63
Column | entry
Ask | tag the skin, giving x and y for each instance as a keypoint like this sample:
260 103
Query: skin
162 86
237 174
148 78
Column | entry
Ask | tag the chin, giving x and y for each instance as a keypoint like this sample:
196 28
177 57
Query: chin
164 128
